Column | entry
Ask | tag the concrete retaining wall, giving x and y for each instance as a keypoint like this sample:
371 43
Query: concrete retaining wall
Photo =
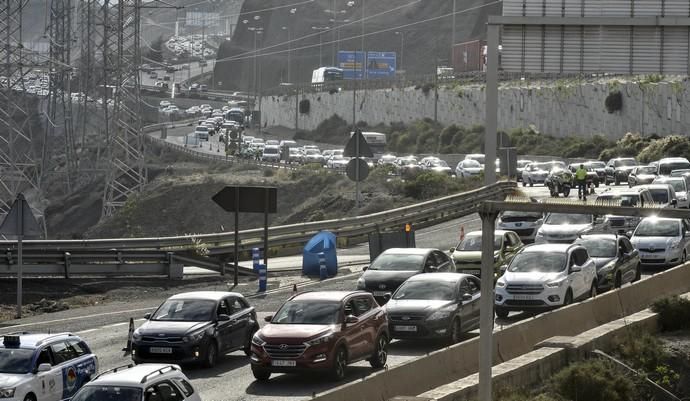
559 108
447 365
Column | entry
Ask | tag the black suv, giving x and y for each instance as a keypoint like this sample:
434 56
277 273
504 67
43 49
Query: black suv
617 169
195 327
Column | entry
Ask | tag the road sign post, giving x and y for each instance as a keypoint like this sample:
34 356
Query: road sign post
20 222
357 147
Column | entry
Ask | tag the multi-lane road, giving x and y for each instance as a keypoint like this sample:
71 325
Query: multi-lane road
105 329
179 75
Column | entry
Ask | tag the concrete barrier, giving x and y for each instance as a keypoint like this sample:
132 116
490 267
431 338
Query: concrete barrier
460 360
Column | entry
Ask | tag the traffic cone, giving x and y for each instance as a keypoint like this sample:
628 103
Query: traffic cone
462 233
294 289
128 349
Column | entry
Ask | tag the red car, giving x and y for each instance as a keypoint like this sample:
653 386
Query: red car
321 331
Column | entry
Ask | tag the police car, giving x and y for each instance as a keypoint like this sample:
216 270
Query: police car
44 367
148 381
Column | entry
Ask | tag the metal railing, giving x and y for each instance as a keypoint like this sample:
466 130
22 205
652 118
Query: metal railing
212 250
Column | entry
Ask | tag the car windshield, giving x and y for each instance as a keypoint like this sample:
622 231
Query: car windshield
478 158
307 312
474 243
594 165
660 195
271 151
625 163
541 166
646 170
202 128
568 218
677 184
398 261
97 392
185 310
599 247
15 360
542 262
426 290
666 168
439 163
471 163
658 228
630 200
528 216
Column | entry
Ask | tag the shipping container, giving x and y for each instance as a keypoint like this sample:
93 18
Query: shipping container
469 56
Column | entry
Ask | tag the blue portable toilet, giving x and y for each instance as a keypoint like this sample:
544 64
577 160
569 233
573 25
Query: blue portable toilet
324 242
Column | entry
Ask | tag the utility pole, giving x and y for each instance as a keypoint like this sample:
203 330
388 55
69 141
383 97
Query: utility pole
452 35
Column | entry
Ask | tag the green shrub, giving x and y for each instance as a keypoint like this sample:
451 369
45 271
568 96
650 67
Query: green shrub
268 172
669 146
674 313
593 380
640 351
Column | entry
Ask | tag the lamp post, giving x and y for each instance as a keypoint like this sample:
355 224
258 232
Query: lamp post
402 47
320 29
287 28
452 34
257 31
336 33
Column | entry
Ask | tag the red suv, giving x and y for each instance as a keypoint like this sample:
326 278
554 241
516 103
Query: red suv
321 331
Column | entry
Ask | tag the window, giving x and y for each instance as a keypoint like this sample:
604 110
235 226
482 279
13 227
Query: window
361 305
626 245
235 305
349 308
441 259
464 287
62 352
186 388
163 391
44 357
79 347
474 285
223 308
580 256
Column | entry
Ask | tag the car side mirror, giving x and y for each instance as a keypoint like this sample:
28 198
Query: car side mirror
387 297
268 318
466 297
351 319
575 269
451 250
147 316
223 317
629 234
44 367
674 202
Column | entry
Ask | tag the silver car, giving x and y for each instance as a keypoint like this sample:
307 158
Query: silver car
633 197
662 242
536 173
524 224
563 227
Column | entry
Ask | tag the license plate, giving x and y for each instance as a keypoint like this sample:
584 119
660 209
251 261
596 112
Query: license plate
160 350
380 293
405 328
280 362
471 271
523 297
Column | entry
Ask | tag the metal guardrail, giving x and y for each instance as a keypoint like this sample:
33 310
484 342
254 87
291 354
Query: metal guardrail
213 250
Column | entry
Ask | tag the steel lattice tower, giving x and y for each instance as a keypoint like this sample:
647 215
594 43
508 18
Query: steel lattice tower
126 173
19 169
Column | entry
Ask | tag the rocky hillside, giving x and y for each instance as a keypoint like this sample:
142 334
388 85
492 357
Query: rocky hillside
421 41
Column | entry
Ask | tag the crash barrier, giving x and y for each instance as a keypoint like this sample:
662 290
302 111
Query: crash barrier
548 358
165 255
461 360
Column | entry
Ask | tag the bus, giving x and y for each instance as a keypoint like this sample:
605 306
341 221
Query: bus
376 142
321 77
237 115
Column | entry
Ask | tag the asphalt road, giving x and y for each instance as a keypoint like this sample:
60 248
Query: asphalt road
105 329
178 76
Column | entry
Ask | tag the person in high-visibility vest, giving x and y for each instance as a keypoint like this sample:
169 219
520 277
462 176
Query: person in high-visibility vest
581 178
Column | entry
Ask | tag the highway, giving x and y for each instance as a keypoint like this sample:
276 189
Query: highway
179 75
105 329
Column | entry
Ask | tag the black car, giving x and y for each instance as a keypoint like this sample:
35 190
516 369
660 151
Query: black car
617 169
395 265
195 327
599 168
616 260
442 305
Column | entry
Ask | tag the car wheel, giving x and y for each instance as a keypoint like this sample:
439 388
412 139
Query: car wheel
683 258
566 192
531 184
30 397
261 374
524 184
568 298
638 273
618 180
380 357
455 332
618 281
211 355
593 290
248 345
339 364
501 312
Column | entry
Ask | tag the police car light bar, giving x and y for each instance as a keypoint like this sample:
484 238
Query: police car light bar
11 341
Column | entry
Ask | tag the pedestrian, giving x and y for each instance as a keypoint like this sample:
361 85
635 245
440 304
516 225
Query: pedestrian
581 178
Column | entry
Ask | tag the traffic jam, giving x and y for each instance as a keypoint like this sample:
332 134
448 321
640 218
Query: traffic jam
541 262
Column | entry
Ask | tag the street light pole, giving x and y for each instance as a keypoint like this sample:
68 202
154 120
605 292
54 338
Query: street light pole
402 48
320 29
452 35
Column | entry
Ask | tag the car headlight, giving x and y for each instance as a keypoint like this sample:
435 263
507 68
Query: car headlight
257 340
6 392
194 337
361 284
540 234
442 313
136 336
500 283
555 284
320 340
675 244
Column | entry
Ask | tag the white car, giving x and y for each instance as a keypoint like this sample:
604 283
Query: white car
201 132
524 224
563 227
148 381
271 153
545 276
468 168
478 157
662 242
679 187
338 162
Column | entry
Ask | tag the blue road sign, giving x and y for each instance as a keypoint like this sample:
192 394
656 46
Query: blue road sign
352 64
380 65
